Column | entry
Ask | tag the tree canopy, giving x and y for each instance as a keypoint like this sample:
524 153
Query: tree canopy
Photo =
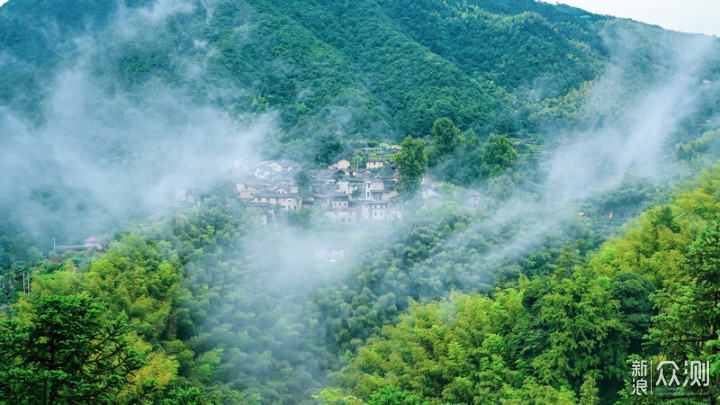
67 352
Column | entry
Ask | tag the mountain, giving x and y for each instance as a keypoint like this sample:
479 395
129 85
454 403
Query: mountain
555 155
325 78
333 72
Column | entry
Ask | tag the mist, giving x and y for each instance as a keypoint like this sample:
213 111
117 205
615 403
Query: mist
114 145
632 148
103 152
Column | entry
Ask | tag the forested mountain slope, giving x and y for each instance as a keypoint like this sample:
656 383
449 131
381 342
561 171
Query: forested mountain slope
207 315
334 71
564 335
329 76
538 130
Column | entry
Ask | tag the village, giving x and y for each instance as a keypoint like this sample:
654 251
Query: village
344 192
362 191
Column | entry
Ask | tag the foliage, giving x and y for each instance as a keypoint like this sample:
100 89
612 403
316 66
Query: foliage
565 336
463 159
210 321
445 140
449 352
498 154
411 162
67 352
335 396
687 324
187 396
331 73
392 396
424 314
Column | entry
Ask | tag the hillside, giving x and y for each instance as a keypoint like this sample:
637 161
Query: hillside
122 86
369 201
340 71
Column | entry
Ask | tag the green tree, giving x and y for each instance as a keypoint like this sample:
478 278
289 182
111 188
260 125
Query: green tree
188 396
392 395
690 309
632 291
589 392
328 147
445 139
703 266
411 162
498 154
586 332
66 353
689 317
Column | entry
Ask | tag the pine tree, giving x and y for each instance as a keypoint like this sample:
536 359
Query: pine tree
66 353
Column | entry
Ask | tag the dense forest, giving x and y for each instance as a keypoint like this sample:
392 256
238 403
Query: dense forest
557 222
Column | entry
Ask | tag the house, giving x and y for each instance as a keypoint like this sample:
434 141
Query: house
429 194
394 212
332 200
344 215
341 164
290 202
185 198
275 166
389 194
286 188
285 201
373 190
286 165
377 189
351 186
308 203
337 207
246 189
326 176
93 242
278 166
360 173
375 210
269 168
376 150
375 163
339 174
263 172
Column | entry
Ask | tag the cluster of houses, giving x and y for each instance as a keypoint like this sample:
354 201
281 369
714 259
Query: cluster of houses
342 193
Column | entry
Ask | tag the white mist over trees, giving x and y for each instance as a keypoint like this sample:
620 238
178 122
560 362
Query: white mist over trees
531 132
